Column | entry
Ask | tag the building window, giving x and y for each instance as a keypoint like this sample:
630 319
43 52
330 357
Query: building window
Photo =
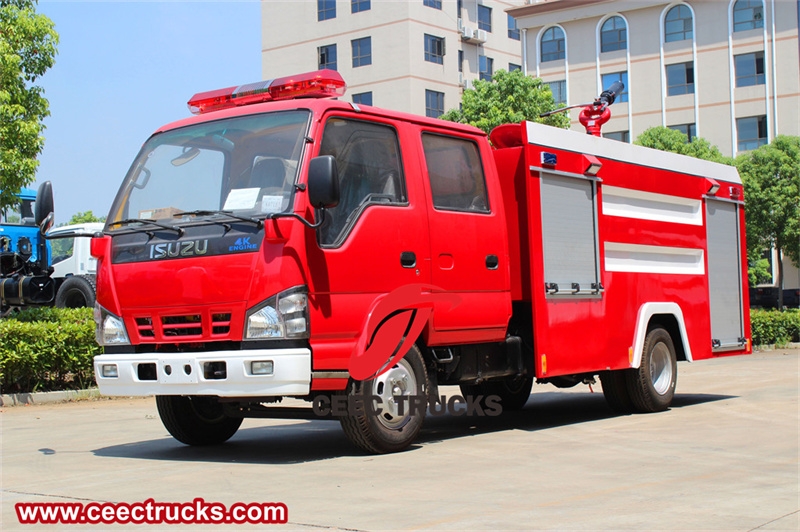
748 15
609 79
622 136
461 60
680 79
559 90
690 130
486 67
363 98
512 67
484 18
434 103
357 6
749 69
751 132
434 49
553 45
326 9
613 35
678 24
436 4
326 56
513 30
362 52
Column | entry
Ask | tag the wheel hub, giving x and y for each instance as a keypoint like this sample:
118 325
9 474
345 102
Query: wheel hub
661 368
398 382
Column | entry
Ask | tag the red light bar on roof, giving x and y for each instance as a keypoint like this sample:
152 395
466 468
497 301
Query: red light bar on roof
317 84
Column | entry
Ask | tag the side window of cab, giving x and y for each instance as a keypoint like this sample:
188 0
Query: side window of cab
455 173
370 173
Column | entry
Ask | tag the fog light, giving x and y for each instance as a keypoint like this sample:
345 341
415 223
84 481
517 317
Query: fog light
109 371
262 367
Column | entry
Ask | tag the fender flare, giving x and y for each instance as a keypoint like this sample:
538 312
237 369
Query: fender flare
646 312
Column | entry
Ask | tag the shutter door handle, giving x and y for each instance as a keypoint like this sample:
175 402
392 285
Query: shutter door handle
408 259
492 262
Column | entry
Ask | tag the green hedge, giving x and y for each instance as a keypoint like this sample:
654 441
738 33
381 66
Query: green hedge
775 327
47 349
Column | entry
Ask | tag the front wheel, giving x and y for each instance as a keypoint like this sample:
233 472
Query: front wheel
392 423
651 386
196 420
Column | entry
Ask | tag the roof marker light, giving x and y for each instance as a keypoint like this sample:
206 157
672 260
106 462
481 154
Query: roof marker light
317 84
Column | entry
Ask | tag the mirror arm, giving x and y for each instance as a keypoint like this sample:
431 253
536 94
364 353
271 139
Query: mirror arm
300 218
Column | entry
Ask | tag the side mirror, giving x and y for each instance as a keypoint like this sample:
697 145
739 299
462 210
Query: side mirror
47 223
44 203
323 182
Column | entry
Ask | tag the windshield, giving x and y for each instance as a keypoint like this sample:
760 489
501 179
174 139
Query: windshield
245 165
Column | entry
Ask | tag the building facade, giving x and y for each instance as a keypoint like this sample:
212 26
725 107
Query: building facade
725 70
415 56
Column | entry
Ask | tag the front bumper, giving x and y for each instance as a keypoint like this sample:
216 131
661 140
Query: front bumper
200 373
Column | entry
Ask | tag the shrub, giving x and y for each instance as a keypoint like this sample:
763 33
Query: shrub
47 349
775 327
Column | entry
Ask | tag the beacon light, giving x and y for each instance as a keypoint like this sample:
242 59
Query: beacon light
317 84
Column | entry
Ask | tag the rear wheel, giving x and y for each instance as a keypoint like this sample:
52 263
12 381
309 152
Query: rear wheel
652 385
395 423
196 420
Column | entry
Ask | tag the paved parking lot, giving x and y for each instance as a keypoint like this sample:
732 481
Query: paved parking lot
725 457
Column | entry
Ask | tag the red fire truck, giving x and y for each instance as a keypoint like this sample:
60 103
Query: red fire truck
286 244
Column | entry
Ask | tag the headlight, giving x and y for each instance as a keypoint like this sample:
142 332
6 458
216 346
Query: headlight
109 329
282 316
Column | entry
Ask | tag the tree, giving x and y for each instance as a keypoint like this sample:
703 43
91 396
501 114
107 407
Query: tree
85 218
771 177
666 139
509 98
27 49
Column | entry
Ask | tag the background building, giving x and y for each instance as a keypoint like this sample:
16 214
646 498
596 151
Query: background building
726 70
411 55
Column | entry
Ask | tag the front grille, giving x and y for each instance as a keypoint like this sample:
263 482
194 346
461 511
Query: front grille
220 323
190 325
183 327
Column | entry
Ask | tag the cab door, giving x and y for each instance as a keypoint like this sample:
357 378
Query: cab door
374 241
469 249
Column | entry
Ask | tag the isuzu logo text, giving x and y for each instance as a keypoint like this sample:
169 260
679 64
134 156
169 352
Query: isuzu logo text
190 248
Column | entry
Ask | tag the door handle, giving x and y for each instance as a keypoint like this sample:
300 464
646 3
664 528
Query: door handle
492 262
408 259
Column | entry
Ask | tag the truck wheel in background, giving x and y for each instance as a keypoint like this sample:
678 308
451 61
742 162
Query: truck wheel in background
76 291
514 392
196 420
615 390
385 429
652 385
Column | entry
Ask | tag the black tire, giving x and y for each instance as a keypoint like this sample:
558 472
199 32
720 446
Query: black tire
652 385
615 390
76 291
196 420
385 430
514 392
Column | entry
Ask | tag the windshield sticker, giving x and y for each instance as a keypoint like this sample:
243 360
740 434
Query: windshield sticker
272 204
241 198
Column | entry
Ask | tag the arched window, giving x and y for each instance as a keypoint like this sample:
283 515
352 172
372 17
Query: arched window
748 15
678 24
613 35
553 45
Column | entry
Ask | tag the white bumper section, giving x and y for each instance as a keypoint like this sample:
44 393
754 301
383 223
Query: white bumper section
200 373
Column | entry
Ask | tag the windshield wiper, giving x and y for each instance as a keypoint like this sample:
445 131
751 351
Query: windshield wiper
178 230
229 214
